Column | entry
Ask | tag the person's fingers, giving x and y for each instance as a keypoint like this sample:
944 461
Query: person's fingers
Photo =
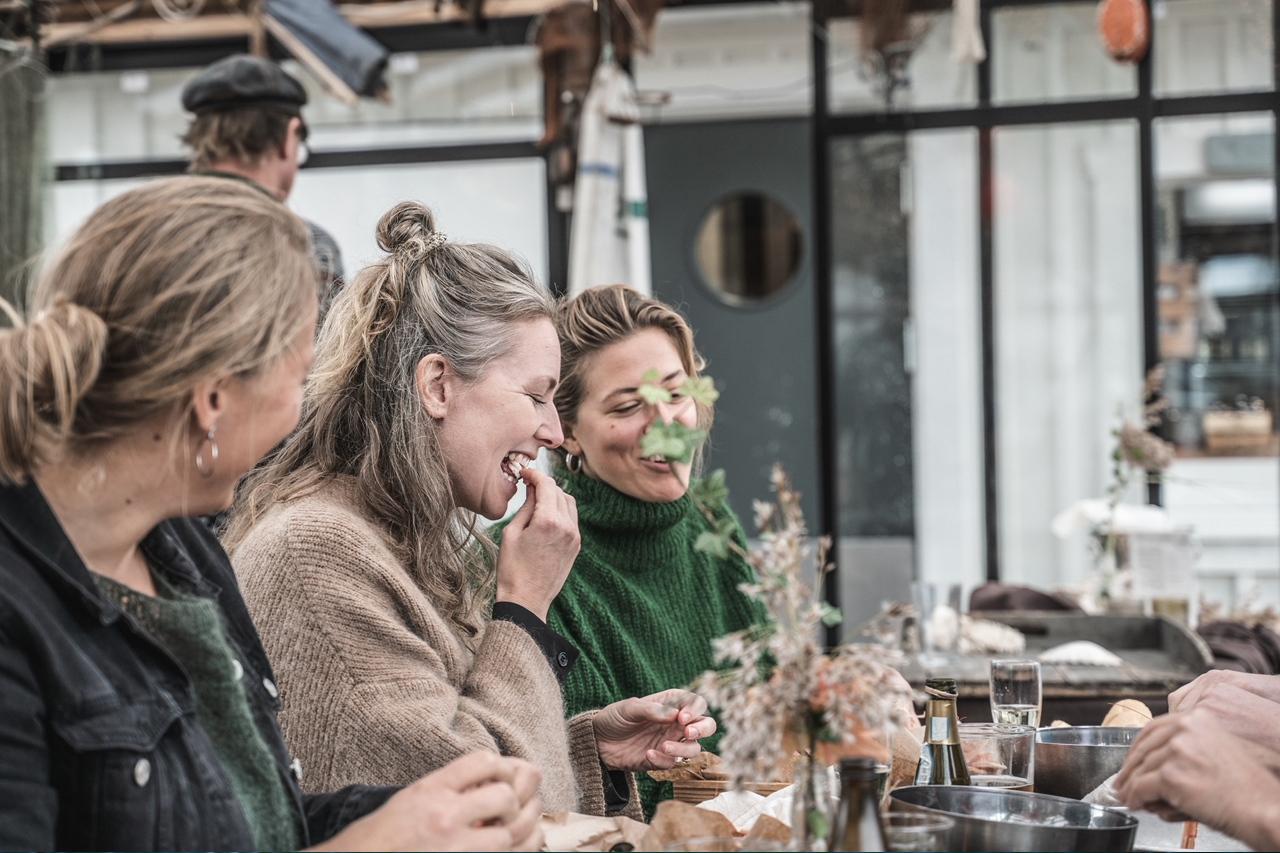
1151 739
525 823
534 842
527 779
700 728
524 514
486 838
691 705
533 477
658 761
681 749
471 770
496 801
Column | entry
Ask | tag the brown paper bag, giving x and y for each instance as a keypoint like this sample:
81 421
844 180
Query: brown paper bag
580 833
675 821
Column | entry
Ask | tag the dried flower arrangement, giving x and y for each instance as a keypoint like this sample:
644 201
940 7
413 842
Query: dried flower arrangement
778 692
1137 448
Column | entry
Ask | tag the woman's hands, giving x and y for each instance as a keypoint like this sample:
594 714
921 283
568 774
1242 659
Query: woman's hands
1185 767
538 546
651 733
482 801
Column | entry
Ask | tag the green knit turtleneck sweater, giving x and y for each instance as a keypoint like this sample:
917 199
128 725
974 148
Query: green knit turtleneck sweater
641 604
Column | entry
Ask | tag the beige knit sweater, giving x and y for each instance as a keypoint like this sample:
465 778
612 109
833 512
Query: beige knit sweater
376 687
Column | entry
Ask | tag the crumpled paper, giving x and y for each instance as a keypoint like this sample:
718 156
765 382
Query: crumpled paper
676 821
580 833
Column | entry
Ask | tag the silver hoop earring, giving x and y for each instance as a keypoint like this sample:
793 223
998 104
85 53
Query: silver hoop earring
573 463
213 454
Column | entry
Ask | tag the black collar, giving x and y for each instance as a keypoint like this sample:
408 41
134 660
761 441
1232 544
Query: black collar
26 516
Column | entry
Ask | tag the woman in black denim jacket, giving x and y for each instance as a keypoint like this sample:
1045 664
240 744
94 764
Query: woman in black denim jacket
166 355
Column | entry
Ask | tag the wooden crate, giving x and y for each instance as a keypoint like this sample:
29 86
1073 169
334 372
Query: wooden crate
1240 432
696 791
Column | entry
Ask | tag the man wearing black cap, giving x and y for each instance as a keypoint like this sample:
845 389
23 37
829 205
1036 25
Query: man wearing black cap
248 126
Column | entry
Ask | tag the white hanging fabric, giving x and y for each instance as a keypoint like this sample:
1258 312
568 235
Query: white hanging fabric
609 241
966 33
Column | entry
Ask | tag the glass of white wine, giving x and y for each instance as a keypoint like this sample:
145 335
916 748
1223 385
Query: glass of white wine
1016 692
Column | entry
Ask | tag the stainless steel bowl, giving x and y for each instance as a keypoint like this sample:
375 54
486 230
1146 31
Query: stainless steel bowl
1072 761
998 820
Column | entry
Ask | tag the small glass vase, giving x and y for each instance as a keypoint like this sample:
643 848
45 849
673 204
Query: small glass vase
813 807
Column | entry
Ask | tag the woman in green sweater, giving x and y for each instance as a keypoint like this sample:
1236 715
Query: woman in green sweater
641 604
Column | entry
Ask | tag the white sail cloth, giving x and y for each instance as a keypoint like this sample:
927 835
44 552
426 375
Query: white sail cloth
609 241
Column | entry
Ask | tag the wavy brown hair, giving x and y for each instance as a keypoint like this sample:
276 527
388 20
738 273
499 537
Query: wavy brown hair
603 316
362 416
180 280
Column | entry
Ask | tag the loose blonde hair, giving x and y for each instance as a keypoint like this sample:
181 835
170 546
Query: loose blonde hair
603 316
183 279
362 415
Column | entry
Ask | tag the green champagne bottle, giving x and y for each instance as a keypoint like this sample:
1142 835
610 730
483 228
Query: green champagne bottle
857 824
941 758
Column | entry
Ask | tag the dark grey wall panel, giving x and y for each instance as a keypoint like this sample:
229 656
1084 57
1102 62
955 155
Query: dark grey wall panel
763 358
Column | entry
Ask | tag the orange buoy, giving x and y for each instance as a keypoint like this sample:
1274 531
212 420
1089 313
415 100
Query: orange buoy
1125 26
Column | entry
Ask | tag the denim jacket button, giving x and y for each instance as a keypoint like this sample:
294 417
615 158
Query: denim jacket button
237 669
563 659
271 687
142 772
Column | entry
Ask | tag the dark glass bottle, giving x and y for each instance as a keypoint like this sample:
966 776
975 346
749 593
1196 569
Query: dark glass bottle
857 823
941 758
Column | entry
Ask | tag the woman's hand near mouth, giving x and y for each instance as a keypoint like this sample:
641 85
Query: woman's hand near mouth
538 546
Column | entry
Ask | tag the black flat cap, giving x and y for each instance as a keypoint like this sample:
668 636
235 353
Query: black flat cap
242 82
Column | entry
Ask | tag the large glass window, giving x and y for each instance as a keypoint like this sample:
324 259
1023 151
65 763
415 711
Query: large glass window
1053 53
909 462
1220 343
1068 325
1212 46
501 201
437 98
730 61
932 79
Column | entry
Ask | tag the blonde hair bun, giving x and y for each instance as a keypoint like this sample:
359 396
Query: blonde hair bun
408 229
50 363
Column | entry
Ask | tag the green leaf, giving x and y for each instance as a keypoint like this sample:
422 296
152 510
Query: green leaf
711 491
701 389
650 391
831 617
824 734
653 395
674 442
818 827
715 544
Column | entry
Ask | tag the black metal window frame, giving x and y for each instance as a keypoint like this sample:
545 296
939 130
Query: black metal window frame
1144 108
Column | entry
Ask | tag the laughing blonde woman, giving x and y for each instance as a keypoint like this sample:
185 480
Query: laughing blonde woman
434 384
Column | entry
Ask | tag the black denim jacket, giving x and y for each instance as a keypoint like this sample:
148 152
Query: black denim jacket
100 746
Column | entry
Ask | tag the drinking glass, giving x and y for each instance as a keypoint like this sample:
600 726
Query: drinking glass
916 833
1015 692
999 755
938 618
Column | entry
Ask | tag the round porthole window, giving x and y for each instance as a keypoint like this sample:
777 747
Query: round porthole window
748 248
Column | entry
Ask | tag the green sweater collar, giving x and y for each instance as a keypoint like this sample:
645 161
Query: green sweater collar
631 535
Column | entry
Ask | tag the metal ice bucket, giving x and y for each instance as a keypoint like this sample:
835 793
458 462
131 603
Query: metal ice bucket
999 820
1072 761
